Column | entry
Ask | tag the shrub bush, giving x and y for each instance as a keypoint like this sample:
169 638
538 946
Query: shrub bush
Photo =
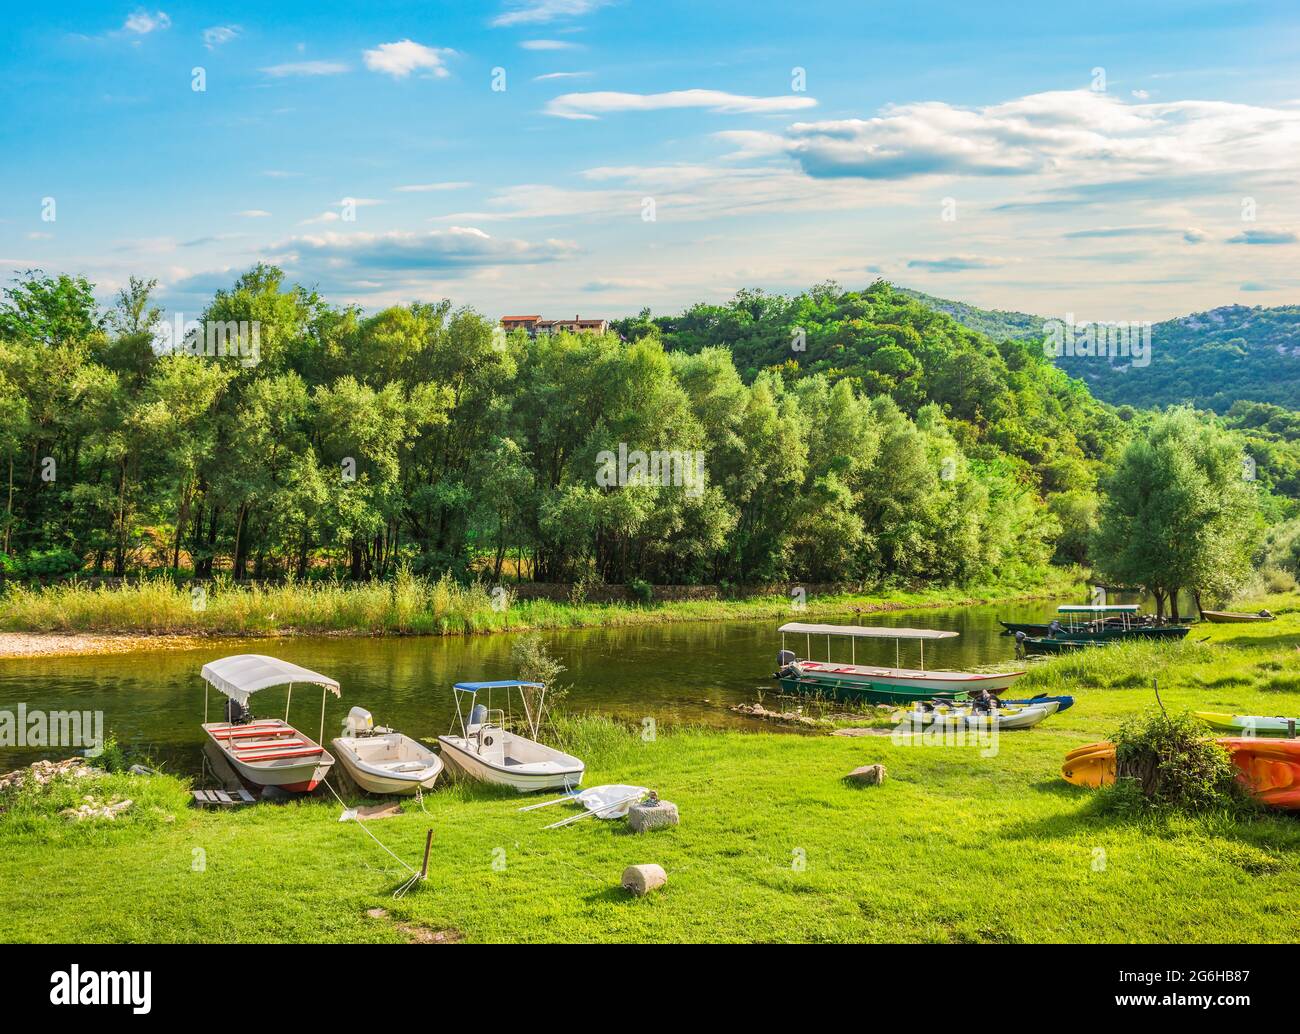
642 591
1167 763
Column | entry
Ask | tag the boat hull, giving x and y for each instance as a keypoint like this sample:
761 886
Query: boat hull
261 755
860 692
376 778
1225 617
1055 646
469 763
907 683
1116 632
1062 703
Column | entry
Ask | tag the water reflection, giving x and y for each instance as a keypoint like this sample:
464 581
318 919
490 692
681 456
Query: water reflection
679 673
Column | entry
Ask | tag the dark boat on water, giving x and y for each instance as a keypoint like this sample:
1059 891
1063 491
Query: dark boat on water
1101 622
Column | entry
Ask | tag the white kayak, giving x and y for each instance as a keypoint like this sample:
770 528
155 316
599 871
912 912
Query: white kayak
968 718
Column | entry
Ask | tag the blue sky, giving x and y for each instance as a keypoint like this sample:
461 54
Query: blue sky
1120 162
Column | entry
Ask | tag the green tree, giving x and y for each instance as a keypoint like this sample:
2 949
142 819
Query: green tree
1177 513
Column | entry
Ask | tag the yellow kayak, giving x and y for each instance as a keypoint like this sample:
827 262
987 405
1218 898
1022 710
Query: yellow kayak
1093 765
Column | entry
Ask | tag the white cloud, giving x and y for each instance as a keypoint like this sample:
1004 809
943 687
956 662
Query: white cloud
401 59
306 68
424 188
253 213
218 34
682 192
956 263
1264 237
560 75
548 44
457 247
1081 136
142 22
593 105
535 12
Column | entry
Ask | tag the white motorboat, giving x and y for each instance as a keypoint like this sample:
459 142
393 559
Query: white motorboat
266 752
382 761
486 750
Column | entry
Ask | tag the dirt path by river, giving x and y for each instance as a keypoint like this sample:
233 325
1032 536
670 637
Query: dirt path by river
27 644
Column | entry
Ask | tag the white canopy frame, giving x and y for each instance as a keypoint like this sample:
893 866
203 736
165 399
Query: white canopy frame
855 632
241 675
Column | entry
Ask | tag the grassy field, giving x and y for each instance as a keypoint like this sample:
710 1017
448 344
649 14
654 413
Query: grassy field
773 846
411 605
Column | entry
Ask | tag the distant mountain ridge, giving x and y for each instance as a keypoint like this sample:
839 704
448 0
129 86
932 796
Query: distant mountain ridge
1210 359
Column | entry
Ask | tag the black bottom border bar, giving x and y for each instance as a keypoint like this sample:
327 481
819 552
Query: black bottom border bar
328 981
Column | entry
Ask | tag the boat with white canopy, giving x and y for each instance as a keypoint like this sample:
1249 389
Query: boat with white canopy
897 685
266 752
488 750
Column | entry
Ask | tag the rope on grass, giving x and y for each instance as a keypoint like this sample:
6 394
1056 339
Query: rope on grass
416 874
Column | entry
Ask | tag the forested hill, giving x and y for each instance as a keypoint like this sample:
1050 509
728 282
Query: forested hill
1000 396
1208 359
999 324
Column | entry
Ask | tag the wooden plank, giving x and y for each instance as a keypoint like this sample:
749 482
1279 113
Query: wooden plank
223 797
245 796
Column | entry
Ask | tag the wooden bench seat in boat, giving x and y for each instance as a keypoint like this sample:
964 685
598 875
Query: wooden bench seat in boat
246 733
273 755
270 745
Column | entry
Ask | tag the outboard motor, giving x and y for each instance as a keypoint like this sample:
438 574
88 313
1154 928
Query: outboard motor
358 722
237 712
478 715
785 660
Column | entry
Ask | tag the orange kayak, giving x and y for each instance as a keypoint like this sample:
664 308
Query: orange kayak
1269 768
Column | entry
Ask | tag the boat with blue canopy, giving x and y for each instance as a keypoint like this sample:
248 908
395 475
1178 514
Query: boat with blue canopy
488 749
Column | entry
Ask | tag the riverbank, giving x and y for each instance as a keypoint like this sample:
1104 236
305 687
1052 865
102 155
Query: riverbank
960 844
72 619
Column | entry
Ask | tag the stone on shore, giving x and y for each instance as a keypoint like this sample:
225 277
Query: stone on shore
867 775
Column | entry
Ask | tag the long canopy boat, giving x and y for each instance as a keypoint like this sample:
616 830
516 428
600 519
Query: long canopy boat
872 684
1093 622
269 751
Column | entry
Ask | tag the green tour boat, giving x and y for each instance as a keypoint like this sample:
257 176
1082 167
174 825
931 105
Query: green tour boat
872 684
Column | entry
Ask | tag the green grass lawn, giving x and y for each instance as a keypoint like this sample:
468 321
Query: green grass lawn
773 846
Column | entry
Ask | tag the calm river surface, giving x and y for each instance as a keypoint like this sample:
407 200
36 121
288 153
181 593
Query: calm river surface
690 672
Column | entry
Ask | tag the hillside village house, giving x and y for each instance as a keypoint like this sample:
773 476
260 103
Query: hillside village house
536 325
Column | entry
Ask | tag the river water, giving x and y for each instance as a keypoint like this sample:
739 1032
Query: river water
689 672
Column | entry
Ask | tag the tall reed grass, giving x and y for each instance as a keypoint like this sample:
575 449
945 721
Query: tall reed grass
410 604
